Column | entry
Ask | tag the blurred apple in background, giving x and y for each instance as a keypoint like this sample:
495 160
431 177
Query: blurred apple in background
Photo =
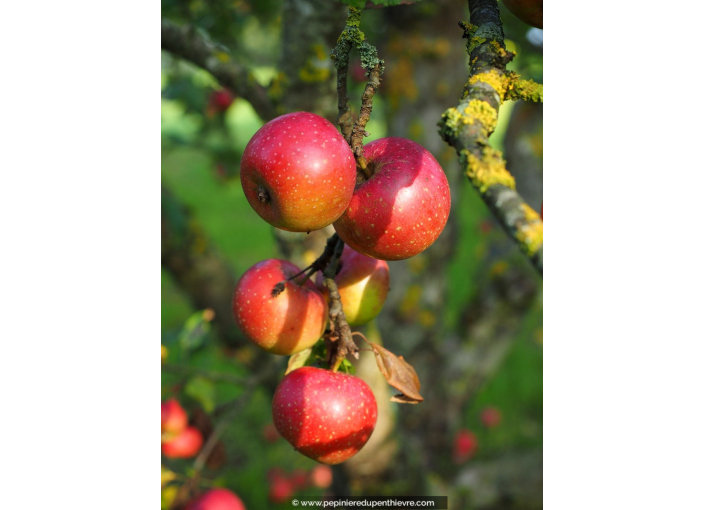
465 446
216 499
184 445
321 476
173 418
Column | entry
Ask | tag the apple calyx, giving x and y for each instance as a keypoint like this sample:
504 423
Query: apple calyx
263 195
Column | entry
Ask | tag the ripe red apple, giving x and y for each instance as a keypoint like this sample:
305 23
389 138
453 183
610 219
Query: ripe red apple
465 446
288 323
298 172
528 11
173 417
363 283
402 208
327 416
321 476
491 417
184 445
216 499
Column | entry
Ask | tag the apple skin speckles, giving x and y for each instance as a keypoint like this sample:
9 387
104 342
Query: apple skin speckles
326 416
403 208
289 163
286 324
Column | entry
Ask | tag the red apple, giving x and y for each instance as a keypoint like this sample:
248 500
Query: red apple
528 11
216 499
288 323
402 208
491 417
465 446
363 283
183 446
298 172
321 476
173 417
327 416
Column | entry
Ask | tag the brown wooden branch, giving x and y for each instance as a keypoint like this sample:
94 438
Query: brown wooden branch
340 336
195 46
467 127
358 131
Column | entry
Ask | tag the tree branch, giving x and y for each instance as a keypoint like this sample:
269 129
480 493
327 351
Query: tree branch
468 126
195 46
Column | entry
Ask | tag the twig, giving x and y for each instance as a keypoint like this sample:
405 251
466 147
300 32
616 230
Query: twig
194 45
350 37
340 335
468 126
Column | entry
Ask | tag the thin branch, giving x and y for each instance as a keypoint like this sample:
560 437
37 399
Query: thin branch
194 45
350 37
340 335
468 126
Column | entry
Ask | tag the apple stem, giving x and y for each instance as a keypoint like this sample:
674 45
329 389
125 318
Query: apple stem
319 264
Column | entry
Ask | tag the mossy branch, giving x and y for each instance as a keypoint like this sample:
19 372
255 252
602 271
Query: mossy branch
194 45
467 126
351 37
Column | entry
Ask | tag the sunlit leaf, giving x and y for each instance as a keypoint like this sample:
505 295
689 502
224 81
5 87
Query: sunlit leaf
298 360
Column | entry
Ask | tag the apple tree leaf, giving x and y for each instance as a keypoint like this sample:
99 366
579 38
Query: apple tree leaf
298 360
195 330
203 391
399 374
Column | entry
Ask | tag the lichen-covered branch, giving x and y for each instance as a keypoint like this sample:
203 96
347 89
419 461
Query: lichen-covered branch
194 45
467 126
351 37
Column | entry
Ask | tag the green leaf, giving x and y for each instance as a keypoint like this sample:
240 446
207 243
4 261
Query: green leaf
202 390
347 367
298 360
195 330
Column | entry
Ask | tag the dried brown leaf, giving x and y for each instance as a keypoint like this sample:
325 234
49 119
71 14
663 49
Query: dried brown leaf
399 374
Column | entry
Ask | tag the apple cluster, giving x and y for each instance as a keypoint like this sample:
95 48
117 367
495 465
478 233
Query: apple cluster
300 174
178 439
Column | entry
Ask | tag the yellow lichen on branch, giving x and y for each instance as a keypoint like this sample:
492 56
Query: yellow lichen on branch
486 171
530 232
